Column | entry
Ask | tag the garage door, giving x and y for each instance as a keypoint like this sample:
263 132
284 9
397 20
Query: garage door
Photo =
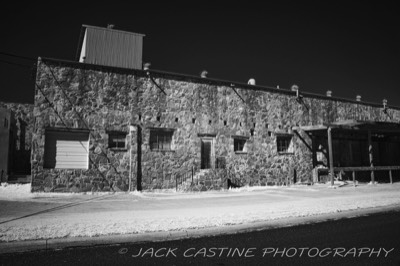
66 150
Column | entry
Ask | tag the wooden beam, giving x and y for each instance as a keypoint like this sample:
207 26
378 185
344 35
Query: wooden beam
314 151
330 155
311 128
366 168
371 157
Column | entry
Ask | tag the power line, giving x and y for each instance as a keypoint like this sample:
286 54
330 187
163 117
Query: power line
51 105
80 118
15 64
18 56
67 127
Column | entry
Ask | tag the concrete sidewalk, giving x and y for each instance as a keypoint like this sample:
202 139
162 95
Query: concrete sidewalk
56 221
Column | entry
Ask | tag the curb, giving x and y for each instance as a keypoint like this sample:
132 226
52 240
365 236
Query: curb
62 243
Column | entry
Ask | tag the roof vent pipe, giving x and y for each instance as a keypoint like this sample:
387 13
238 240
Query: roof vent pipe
385 108
296 89
146 66
251 81
329 93
110 26
204 74
358 98
384 102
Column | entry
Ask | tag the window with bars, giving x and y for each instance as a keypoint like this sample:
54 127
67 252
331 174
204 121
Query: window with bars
117 140
283 143
161 139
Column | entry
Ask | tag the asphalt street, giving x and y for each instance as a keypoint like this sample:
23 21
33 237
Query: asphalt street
366 240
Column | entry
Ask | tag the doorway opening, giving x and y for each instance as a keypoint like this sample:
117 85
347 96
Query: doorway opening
206 145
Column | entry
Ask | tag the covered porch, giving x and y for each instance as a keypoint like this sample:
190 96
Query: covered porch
355 150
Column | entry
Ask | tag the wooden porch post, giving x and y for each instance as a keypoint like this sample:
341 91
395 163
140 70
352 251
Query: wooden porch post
314 151
330 154
371 157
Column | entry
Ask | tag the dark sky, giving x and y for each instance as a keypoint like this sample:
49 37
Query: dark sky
347 48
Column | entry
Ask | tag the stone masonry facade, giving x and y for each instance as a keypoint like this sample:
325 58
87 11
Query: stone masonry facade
105 99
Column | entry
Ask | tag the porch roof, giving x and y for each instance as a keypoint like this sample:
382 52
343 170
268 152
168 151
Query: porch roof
373 126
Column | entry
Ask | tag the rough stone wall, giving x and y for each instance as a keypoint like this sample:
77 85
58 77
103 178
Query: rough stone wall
87 99
23 117
112 99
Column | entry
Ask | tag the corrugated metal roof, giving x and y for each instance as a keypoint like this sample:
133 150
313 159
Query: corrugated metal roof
110 47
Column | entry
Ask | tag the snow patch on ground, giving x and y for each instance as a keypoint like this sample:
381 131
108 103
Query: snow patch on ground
15 191
141 212
23 192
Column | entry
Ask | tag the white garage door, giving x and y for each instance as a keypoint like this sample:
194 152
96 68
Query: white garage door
66 150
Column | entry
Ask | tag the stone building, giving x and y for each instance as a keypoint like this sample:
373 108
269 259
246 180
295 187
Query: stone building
101 127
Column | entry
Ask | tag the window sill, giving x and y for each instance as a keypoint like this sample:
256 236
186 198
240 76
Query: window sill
119 149
240 152
285 153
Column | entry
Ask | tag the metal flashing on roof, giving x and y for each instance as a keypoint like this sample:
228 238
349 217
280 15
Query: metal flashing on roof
120 31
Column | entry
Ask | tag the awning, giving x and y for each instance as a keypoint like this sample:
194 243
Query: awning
376 126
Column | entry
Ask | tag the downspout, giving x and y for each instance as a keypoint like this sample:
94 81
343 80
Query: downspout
139 159
131 129
371 157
